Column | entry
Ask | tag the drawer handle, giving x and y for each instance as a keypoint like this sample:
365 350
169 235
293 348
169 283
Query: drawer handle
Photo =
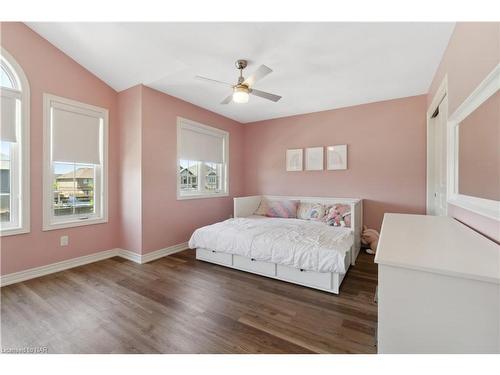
252 259
301 270
213 251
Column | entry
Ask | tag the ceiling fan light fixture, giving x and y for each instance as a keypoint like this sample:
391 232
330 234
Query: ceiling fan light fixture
244 86
240 94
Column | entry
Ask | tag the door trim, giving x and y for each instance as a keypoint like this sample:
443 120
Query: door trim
439 96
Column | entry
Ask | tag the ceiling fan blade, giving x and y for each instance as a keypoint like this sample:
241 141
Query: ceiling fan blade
265 95
227 100
260 73
213 81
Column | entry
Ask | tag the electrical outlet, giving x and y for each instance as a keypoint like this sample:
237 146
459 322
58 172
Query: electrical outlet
64 240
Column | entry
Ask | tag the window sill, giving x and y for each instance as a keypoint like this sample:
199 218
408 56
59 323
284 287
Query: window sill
13 231
201 196
74 223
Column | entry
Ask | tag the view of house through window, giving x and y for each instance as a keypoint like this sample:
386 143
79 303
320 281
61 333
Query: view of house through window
5 178
200 176
73 189
189 175
212 176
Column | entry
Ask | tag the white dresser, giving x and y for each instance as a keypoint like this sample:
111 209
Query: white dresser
438 288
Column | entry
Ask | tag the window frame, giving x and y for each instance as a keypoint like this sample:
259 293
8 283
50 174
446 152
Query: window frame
51 221
20 158
189 124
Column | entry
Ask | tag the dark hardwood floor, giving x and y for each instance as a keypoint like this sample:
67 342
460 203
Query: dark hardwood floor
177 304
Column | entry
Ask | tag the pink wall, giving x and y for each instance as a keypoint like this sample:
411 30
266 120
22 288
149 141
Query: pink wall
473 51
386 156
130 161
479 151
49 70
167 221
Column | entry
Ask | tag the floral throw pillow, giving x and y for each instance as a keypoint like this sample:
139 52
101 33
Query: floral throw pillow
317 212
304 211
310 211
338 215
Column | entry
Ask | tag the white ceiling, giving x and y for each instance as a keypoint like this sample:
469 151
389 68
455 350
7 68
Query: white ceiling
317 66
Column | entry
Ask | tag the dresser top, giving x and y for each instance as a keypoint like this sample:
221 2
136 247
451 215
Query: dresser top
437 244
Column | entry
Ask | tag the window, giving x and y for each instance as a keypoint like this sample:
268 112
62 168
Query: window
75 163
202 160
14 148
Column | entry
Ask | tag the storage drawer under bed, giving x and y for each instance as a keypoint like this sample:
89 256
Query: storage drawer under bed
215 256
255 266
317 279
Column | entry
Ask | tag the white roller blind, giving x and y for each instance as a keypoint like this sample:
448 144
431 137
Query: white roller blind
201 145
76 135
8 117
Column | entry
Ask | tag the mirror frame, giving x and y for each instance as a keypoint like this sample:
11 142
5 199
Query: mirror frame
485 207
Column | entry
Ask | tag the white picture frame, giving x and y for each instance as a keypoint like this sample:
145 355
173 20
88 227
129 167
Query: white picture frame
336 157
314 159
294 160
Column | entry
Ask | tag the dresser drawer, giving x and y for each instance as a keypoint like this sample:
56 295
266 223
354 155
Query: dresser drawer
256 266
214 257
317 279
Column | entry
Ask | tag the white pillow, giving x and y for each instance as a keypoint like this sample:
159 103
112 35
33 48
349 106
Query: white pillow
262 209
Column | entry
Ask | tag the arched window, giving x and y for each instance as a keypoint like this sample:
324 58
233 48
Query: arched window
14 147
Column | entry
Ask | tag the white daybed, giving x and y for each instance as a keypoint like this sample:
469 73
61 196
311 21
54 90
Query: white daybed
246 243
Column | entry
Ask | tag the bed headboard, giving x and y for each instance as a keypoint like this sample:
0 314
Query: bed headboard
246 206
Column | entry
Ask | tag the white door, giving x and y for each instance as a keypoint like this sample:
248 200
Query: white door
436 186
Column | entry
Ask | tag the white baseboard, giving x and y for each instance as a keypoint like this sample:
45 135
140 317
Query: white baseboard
148 257
130 255
32 273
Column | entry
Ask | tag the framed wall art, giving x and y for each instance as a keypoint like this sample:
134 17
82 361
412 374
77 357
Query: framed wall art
294 160
336 157
314 159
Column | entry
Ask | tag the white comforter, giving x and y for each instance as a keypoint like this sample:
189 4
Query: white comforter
296 243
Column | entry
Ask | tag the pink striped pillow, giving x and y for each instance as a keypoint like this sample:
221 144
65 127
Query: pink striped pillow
284 209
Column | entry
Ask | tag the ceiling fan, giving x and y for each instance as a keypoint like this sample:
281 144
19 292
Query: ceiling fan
244 87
